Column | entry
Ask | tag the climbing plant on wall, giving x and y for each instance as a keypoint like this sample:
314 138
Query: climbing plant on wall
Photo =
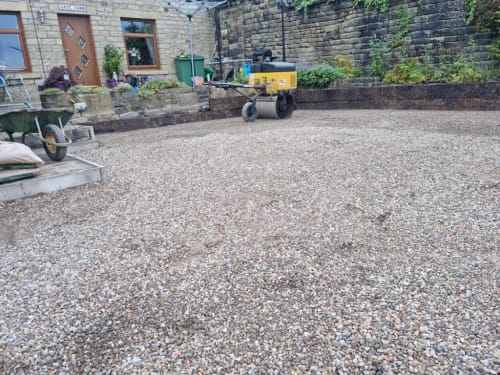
485 14
471 9
486 8
380 5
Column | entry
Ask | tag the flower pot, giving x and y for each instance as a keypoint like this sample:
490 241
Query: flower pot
111 83
60 85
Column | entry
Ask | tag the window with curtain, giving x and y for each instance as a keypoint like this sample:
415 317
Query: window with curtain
13 51
140 43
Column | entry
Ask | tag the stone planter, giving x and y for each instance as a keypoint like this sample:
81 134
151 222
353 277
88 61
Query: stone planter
126 101
226 100
97 103
57 100
173 99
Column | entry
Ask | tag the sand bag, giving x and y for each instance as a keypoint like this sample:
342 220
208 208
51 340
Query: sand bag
14 154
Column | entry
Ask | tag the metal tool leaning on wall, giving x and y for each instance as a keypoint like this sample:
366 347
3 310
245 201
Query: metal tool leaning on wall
271 87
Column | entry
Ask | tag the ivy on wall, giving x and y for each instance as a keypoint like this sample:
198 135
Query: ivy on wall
485 8
471 9
380 5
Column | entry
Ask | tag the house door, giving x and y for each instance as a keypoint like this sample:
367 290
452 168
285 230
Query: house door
79 49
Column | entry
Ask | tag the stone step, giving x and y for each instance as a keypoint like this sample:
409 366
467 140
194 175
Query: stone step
53 176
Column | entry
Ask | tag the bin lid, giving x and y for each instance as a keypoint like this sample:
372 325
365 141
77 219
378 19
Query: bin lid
195 57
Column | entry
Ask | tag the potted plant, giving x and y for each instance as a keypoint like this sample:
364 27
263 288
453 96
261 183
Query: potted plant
113 58
56 78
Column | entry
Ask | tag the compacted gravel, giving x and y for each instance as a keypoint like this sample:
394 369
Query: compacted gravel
337 242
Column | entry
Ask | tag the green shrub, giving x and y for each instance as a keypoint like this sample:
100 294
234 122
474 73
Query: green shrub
406 71
52 91
78 89
346 64
113 58
98 90
81 89
459 71
486 75
162 84
123 87
241 77
378 48
319 76
145 94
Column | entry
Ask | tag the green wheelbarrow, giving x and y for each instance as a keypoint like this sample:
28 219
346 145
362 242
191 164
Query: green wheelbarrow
45 124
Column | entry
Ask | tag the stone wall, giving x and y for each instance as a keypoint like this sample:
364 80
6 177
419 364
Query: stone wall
44 40
463 96
438 30
437 96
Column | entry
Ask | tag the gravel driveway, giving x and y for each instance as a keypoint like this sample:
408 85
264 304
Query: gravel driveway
339 242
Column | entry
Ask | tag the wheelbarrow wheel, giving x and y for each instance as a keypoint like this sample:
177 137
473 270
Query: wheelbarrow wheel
54 134
249 112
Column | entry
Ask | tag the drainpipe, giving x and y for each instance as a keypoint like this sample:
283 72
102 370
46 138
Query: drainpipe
37 38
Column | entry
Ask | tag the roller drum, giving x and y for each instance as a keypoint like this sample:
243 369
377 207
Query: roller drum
277 107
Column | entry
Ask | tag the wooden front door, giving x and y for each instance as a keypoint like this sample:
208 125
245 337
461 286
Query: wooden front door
78 44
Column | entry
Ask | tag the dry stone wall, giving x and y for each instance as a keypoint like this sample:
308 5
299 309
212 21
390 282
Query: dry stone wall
437 30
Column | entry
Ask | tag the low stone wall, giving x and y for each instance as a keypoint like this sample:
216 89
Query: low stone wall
227 103
463 96
116 105
460 96
173 99
158 120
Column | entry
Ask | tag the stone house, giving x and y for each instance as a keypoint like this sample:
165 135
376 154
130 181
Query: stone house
38 35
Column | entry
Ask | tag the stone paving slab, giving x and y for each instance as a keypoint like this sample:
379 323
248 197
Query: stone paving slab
53 176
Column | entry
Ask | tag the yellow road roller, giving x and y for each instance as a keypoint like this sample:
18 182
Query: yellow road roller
271 90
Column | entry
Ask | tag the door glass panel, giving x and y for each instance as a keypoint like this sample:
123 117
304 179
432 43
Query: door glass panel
84 59
8 21
81 42
69 29
11 52
78 72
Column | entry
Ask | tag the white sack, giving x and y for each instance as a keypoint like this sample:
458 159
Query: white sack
17 153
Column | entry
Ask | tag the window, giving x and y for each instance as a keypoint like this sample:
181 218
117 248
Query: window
140 44
13 52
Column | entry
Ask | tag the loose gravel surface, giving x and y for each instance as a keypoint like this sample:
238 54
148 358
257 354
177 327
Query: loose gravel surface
337 242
